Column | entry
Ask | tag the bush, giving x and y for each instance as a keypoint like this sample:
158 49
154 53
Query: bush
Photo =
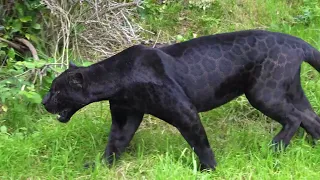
39 37
21 26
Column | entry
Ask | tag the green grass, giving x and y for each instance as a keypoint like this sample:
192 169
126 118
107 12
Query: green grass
36 146
241 142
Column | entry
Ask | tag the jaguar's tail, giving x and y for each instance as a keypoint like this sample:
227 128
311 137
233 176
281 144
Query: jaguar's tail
312 56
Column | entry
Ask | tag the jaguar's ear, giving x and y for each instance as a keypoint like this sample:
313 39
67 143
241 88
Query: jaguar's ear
72 65
76 80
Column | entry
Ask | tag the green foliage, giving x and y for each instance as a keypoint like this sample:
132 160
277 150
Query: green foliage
19 79
19 19
193 18
203 4
178 17
155 13
22 20
310 12
19 73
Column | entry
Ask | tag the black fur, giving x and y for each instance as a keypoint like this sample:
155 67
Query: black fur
176 82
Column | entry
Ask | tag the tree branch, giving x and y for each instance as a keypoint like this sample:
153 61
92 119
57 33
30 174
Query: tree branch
30 47
14 45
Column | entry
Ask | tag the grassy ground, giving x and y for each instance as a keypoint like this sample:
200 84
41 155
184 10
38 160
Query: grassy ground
35 146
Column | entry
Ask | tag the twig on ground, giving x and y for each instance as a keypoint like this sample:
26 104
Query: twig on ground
155 43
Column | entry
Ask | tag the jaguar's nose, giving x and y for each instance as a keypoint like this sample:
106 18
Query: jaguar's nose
45 99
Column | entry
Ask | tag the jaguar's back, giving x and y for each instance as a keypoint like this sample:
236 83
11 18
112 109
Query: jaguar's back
215 69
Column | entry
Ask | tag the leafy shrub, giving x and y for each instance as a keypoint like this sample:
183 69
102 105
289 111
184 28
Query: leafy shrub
61 30
20 75
310 12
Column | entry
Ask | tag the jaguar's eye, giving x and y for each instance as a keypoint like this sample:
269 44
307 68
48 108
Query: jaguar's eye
57 92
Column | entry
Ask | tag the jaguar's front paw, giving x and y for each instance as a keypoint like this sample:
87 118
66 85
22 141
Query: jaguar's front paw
315 142
208 166
278 146
94 165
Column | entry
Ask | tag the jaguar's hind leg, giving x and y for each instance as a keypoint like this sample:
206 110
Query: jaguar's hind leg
279 109
310 120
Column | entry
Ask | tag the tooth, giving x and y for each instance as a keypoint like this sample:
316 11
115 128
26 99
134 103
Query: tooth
58 116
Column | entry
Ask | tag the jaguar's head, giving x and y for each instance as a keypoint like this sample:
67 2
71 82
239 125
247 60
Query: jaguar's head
68 93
